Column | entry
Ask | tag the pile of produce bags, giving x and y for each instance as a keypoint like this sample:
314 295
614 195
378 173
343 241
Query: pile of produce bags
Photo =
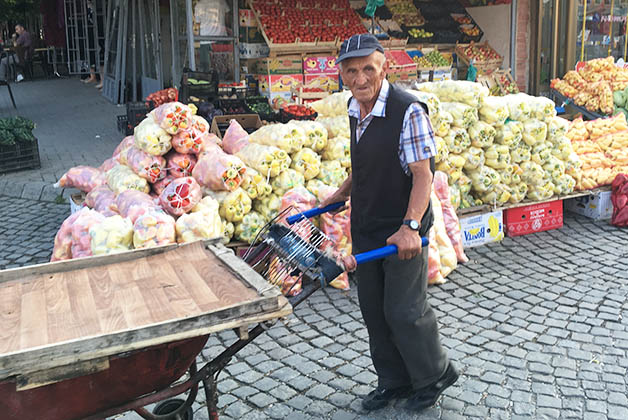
498 150
600 150
173 181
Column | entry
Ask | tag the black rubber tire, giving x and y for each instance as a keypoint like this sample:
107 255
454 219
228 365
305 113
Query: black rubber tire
165 407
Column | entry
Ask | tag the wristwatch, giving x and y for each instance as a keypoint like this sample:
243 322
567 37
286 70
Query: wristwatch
412 224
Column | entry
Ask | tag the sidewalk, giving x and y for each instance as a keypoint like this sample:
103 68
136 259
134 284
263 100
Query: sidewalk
75 125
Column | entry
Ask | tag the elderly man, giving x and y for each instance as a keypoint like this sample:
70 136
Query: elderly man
24 41
392 161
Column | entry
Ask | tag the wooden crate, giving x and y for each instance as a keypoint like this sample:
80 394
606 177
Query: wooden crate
301 97
482 66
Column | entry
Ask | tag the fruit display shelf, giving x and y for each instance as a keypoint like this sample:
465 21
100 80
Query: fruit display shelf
293 26
484 57
431 59
562 100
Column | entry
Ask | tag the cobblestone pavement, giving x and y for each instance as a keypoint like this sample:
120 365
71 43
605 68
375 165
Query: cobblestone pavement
75 125
537 326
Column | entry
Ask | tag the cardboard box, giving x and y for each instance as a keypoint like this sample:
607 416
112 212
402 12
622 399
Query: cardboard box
320 65
329 82
245 120
289 64
277 98
77 202
279 83
534 218
249 51
595 206
403 75
482 229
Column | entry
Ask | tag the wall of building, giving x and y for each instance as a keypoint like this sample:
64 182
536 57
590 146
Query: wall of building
495 22
522 46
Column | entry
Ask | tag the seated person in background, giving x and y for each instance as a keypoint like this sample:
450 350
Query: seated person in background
23 41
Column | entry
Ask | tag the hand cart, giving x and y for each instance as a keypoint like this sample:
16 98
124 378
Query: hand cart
96 337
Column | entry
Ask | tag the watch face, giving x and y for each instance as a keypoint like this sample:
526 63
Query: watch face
414 225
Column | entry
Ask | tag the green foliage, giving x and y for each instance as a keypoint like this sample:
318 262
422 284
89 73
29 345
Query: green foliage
16 129
17 10
59 199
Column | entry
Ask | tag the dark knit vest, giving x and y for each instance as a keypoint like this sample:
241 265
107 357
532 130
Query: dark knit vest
380 189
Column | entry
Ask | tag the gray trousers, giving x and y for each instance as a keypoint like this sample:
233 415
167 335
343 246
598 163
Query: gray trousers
4 65
403 333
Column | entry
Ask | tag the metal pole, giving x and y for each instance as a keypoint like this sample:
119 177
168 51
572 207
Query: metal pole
610 29
134 7
190 33
554 50
513 38
175 45
584 27
236 40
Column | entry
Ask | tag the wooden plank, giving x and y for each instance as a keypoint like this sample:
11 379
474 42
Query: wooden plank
84 350
10 310
61 373
66 316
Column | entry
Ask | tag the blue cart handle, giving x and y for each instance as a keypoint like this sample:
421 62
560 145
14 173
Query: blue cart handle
314 212
383 252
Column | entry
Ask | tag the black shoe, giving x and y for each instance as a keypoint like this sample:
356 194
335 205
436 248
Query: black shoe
380 397
428 396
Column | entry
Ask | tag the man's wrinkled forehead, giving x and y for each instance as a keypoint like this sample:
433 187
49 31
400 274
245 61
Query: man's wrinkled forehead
376 58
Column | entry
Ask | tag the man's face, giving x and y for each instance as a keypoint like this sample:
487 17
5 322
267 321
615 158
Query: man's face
364 76
19 29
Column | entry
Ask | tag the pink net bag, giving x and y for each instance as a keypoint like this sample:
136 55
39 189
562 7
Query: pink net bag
173 117
154 228
452 224
147 166
103 200
81 239
180 196
63 239
235 138
133 204
84 178
180 165
217 170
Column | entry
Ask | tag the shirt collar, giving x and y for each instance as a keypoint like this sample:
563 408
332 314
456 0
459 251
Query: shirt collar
379 109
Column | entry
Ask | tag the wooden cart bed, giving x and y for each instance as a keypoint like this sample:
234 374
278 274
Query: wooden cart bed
69 312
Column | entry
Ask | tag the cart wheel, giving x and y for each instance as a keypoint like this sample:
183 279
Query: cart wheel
170 406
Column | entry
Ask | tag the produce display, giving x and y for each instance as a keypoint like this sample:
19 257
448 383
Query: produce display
296 164
593 85
163 96
432 59
479 53
600 146
320 21
420 33
498 150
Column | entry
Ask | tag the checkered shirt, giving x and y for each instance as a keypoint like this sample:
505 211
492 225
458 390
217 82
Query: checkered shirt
417 137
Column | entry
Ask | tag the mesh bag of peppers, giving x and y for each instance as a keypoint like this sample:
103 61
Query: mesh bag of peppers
619 198
290 112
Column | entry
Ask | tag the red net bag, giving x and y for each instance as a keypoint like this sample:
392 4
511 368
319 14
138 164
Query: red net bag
180 165
84 178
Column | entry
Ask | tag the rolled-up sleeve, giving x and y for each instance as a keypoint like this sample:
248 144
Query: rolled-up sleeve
417 137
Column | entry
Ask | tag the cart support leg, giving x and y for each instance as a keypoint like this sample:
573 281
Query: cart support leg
211 396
